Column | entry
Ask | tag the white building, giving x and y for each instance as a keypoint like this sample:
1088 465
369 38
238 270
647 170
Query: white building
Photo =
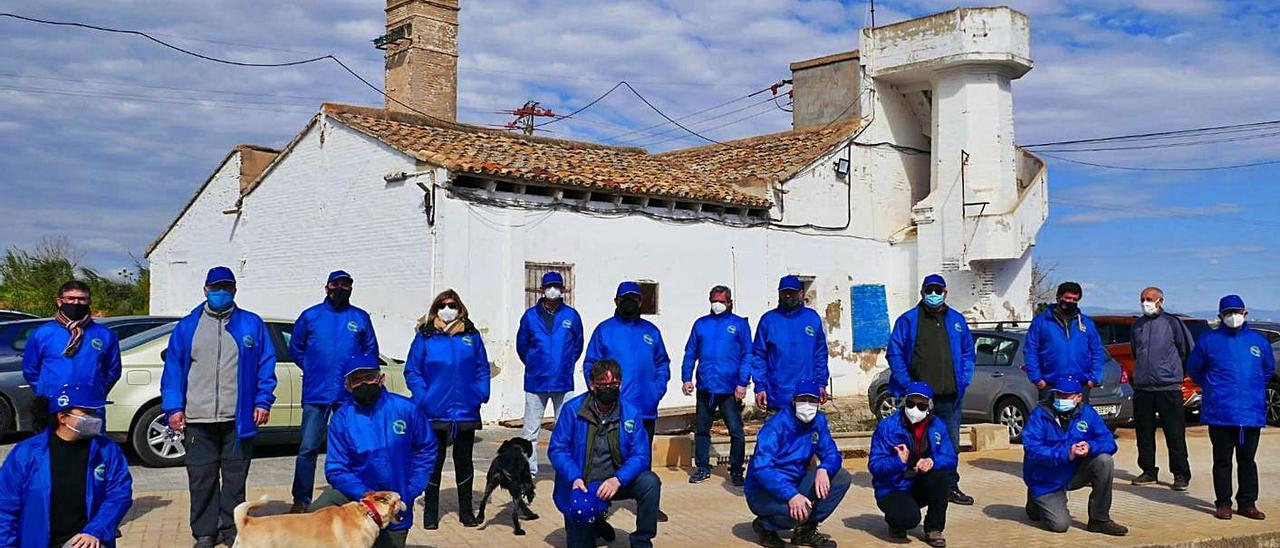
902 163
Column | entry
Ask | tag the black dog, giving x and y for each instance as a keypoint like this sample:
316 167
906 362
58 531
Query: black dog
510 470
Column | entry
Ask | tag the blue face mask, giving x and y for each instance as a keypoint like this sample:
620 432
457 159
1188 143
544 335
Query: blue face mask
1064 405
934 300
220 299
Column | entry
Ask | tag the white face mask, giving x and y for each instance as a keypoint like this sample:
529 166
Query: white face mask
1149 308
552 293
915 415
718 307
85 426
448 314
1233 320
806 411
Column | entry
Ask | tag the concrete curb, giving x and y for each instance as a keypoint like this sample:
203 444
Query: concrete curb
1270 539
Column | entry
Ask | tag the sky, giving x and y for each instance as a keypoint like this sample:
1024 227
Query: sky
106 136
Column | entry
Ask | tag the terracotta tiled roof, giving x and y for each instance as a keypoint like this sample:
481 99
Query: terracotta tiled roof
707 174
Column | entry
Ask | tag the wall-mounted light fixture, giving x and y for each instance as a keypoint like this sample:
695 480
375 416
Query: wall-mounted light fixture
842 168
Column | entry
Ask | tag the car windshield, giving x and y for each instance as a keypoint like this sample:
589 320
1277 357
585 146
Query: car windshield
147 336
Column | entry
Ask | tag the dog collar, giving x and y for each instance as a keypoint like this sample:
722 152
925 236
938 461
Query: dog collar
372 512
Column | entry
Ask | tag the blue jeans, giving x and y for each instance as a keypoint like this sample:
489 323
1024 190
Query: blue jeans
645 490
776 515
949 409
315 423
731 410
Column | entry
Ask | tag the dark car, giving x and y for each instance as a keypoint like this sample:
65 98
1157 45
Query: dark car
1272 332
1117 331
1001 393
10 315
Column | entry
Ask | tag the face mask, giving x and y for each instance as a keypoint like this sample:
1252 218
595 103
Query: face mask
790 303
1064 405
340 296
1149 308
220 299
85 426
447 314
915 415
1068 308
607 395
1234 321
933 300
552 293
366 393
629 308
718 307
74 312
806 411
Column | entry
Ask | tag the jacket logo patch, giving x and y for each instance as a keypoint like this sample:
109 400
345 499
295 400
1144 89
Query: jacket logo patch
732 329
100 472
399 427
247 340
813 438
1082 426
648 339
958 328
1257 352
937 438
466 339
1082 327
352 327
567 324
97 344
630 425
63 400
808 330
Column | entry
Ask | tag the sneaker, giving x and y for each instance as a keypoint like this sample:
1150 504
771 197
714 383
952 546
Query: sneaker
737 479
934 539
227 539
1180 483
769 539
1108 528
1223 512
469 521
298 508
958 497
701 475
205 542
605 531
430 522
808 535
662 516
1033 512
1252 512
897 534
1146 478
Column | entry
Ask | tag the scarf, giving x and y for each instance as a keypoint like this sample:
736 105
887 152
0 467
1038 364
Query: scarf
458 325
77 332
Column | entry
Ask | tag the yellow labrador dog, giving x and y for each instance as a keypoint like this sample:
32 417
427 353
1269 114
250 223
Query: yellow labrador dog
350 525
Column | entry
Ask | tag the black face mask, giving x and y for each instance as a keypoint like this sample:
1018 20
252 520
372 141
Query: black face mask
1068 308
790 303
629 308
607 395
340 296
74 312
367 393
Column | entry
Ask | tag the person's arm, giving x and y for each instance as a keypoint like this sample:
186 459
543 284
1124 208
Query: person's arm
764 465
576 340
884 461
523 336
424 454
595 352
760 357
337 462
820 371
1268 363
112 363
560 448
173 395
1198 362
117 500
744 358
482 369
1187 344
415 369
829 457
1102 440
640 454
1031 352
968 356
31 363
1097 356
1038 450
369 339
13 477
896 354
661 366
266 371
944 455
690 355
298 340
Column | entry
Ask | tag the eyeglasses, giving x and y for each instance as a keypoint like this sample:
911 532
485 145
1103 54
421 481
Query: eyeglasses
935 292
450 306
610 385
921 405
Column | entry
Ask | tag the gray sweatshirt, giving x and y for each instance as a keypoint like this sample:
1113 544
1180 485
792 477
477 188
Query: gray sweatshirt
1161 345
212 386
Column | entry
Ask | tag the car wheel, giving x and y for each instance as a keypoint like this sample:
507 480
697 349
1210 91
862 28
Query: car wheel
1012 413
154 442
1273 404
884 405
8 422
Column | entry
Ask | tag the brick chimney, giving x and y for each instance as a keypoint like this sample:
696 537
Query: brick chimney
422 56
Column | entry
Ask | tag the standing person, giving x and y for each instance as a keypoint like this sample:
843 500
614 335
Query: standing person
67 486
377 442
1161 344
1063 342
720 348
784 489
1233 364
217 388
549 343
71 349
600 441
448 375
931 343
1067 446
324 339
790 347
910 464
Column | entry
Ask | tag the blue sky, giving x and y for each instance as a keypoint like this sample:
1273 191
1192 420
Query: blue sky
107 136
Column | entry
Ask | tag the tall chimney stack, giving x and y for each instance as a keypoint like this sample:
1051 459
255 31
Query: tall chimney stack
422 57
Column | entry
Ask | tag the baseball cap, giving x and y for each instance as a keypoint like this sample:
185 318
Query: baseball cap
933 279
338 275
808 388
790 282
552 278
76 395
586 508
919 388
219 274
1230 302
360 362
626 288
1069 385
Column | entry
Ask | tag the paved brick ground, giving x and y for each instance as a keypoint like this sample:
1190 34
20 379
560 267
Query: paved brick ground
714 514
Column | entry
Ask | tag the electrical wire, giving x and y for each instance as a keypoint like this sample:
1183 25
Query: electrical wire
1165 145
692 114
1164 169
757 114
238 105
1158 134
699 122
668 118
584 107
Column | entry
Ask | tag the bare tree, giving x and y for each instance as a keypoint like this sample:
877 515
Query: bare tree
1044 287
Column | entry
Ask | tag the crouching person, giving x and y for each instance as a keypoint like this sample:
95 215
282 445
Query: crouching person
783 490
377 442
1066 447
911 466
67 486
599 439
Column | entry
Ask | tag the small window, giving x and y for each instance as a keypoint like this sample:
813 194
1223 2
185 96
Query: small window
20 341
648 297
533 281
807 283
1121 333
995 351
283 334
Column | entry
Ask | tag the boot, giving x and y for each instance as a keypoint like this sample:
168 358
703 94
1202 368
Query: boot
1108 528
808 535
466 512
431 508
767 538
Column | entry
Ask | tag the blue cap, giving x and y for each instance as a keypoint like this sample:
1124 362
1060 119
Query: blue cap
626 288
1230 302
361 361
76 395
338 275
586 508
919 388
933 279
552 278
790 282
808 388
219 274
1068 385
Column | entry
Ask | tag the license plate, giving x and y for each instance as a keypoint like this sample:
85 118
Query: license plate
1107 409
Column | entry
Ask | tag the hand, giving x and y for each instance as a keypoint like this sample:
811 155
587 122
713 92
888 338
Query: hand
822 395
822 483
762 401
85 541
608 488
580 485
1091 385
260 416
799 506
1084 448
903 452
923 466
687 388
178 421
1041 385
1077 450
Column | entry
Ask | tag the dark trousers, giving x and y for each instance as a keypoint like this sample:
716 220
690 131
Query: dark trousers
1096 472
731 410
950 410
649 426
462 441
217 466
1243 442
776 515
1173 420
902 508
315 423
386 539
646 490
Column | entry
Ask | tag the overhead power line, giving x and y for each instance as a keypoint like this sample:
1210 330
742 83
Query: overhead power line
1168 169
1158 134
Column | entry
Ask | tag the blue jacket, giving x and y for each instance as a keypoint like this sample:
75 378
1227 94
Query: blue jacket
789 347
549 357
383 447
448 375
567 449
902 343
721 346
256 381
888 472
784 448
25 492
1233 366
637 346
96 363
1052 351
323 339
1047 466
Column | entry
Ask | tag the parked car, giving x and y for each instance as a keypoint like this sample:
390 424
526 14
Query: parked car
10 315
1117 332
135 419
1272 331
1001 393
15 394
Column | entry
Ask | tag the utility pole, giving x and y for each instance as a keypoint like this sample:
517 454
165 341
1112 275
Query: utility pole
526 116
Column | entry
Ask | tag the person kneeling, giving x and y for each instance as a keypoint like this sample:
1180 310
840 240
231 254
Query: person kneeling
911 466
779 491
1066 447
599 439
